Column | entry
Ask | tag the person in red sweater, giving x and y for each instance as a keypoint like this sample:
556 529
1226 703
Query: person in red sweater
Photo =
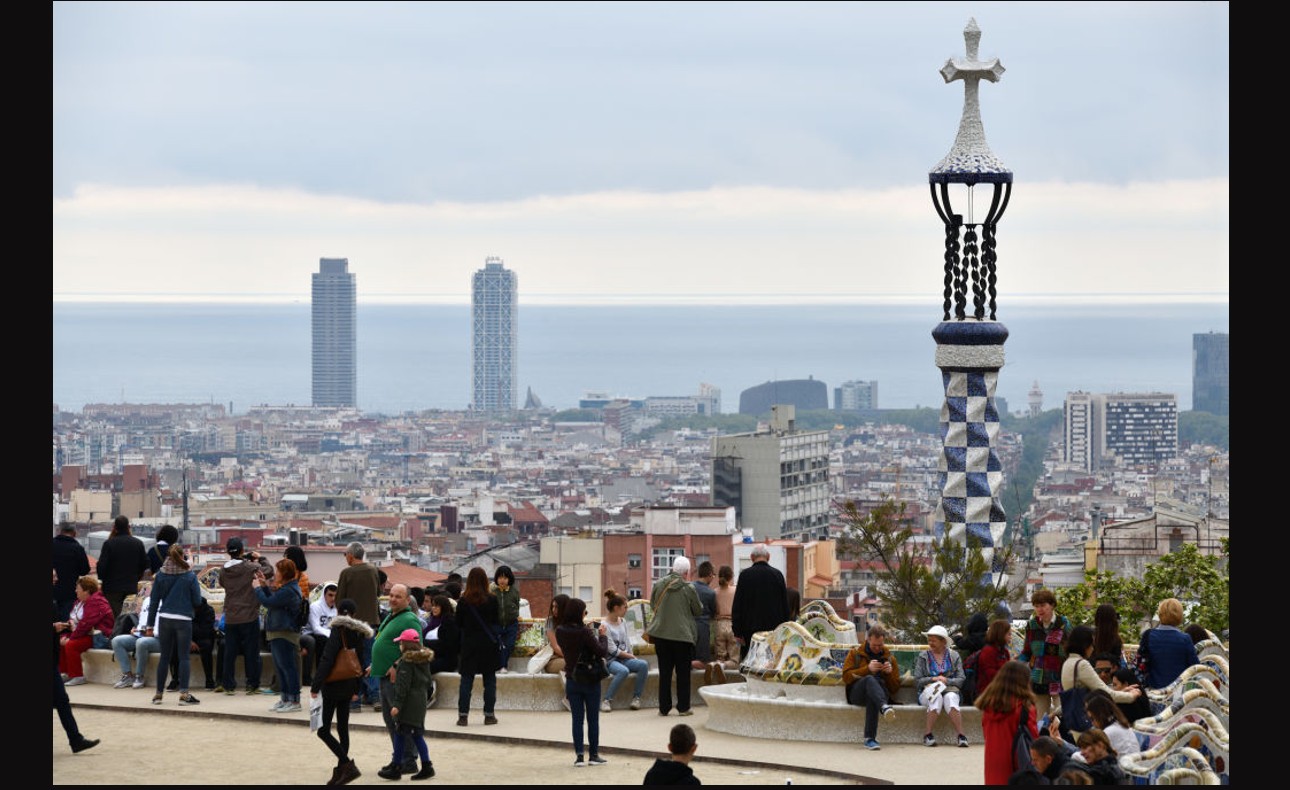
91 615
1001 703
994 654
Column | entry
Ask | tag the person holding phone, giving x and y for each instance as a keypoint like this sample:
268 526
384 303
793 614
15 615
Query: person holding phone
872 679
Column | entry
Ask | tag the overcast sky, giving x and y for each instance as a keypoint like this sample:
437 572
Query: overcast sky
628 151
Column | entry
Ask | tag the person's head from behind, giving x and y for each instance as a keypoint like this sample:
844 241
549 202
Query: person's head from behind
418 595
452 590
760 553
1122 678
347 607
1043 601
681 566
681 743
168 534
1094 745
285 570
574 611
1103 712
1027 776
176 556
1170 612
296 555
354 553
1080 641
476 591
1106 618
120 526
725 575
876 637
1043 750
1198 633
503 577
705 571
999 633
1074 775
1010 685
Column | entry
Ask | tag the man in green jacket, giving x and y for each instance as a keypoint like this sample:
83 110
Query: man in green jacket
385 653
675 604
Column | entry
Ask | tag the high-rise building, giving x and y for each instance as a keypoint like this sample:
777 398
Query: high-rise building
777 479
335 368
855 396
493 299
1209 366
1121 429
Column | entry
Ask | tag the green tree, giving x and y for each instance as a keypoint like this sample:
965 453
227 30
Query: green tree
921 585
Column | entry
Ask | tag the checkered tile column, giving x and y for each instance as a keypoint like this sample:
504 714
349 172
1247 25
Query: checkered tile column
969 354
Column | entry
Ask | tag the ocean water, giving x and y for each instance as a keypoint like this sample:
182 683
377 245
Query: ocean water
413 357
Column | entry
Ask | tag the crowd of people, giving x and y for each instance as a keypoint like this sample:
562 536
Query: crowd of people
470 625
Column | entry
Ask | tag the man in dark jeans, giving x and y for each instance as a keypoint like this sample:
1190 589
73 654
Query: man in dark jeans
872 679
241 615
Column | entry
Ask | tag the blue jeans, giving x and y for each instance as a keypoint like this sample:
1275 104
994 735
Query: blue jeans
584 700
404 743
141 646
506 637
619 668
242 639
174 634
286 657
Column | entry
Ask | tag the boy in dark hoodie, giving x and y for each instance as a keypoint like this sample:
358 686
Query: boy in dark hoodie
675 771
411 687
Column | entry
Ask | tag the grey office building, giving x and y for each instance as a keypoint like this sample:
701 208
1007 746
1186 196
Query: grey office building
335 366
1209 368
493 309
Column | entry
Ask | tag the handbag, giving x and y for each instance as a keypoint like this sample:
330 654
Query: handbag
346 666
1021 742
649 638
539 659
1074 717
590 668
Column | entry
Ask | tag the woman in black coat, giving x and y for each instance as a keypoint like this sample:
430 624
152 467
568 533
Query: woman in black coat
346 631
446 642
477 609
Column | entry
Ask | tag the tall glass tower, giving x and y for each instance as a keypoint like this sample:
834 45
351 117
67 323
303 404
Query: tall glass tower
1209 368
493 310
335 371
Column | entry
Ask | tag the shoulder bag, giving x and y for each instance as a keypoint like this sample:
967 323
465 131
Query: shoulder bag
1074 717
346 665
492 635
590 668
649 638
1021 742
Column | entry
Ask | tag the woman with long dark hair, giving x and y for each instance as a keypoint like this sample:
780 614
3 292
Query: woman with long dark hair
175 594
282 631
476 618
575 638
445 642
1001 703
1106 634
346 632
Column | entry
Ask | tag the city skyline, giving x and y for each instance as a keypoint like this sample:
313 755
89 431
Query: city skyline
671 153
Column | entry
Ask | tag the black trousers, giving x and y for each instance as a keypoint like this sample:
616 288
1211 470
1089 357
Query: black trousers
673 657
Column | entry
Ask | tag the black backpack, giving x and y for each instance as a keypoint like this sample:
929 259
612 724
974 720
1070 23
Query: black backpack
967 693
302 619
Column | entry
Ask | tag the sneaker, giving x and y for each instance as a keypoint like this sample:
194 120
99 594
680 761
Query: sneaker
636 703
580 762
188 699
963 741
685 712
76 681
220 689
871 744
597 760
125 681
265 690
888 711
138 682
277 706
606 706
490 720
292 707
565 702
929 740
252 689
210 685
156 699
230 691
503 671
461 721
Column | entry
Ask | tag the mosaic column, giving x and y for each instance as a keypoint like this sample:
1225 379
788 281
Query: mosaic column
969 343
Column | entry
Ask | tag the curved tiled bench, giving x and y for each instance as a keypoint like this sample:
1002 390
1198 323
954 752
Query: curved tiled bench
522 691
101 667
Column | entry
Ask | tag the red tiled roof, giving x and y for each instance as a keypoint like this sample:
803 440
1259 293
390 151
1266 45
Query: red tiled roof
412 576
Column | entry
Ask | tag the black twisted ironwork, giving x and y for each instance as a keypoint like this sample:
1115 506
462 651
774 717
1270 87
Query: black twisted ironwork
951 265
974 274
989 257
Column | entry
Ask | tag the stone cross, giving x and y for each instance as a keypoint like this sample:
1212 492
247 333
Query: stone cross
971 158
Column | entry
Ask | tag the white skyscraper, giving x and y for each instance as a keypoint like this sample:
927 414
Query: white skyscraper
493 338
335 368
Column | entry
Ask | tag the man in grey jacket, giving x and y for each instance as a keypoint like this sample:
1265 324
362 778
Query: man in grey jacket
241 615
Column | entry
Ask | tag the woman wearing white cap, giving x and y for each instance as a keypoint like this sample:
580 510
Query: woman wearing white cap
938 676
